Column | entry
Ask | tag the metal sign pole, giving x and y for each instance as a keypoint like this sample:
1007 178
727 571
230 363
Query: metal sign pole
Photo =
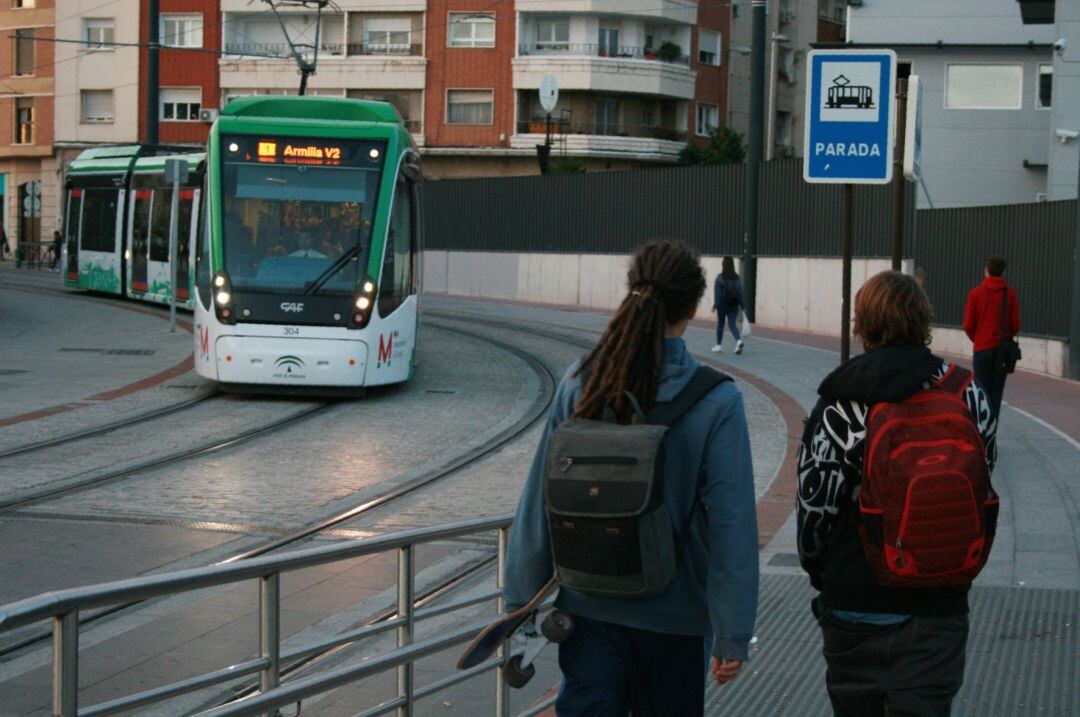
898 176
845 281
1074 333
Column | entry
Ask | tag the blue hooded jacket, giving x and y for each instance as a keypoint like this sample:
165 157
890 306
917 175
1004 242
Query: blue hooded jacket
716 585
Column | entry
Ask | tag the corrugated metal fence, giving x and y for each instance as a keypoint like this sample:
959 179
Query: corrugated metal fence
1036 241
613 212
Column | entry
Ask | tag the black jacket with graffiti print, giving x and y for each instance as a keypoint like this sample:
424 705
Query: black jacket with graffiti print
830 470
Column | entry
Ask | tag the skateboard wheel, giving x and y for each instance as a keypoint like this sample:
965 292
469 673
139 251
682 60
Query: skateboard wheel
516 676
557 626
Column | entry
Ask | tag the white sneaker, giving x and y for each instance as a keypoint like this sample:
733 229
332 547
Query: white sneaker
738 347
716 349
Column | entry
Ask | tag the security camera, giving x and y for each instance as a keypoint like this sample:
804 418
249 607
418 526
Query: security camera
1066 134
1061 45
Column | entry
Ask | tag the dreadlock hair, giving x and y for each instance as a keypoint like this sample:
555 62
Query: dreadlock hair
665 284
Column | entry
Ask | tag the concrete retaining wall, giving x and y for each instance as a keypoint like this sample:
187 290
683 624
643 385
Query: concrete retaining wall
793 293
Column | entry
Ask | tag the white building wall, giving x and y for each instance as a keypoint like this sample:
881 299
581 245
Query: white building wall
78 69
1065 114
800 294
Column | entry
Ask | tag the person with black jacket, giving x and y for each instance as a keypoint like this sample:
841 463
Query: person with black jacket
728 300
889 651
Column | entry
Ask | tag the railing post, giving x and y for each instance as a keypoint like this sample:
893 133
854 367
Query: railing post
405 630
502 690
66 664
270 630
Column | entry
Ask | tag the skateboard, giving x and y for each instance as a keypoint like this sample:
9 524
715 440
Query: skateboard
556 627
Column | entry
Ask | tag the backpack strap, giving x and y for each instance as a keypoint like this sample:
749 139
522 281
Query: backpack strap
704 380
955 380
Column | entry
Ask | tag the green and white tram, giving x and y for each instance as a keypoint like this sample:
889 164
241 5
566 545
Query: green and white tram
116 224
308 261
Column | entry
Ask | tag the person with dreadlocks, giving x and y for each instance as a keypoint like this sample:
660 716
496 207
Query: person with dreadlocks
643 656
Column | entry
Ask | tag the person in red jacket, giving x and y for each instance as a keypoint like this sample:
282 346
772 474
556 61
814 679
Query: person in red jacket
983 325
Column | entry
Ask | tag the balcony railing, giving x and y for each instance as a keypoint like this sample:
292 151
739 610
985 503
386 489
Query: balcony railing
596 50
280 49
384 48
603 129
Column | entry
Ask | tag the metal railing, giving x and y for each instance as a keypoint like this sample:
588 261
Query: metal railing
616 52
63 608
603 129
352 49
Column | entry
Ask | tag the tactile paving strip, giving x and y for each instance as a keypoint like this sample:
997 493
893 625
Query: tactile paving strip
1023 657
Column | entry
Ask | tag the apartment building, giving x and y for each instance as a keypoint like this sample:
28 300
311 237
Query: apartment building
189 32
28 180
988 94
637 78
1062 90
793 27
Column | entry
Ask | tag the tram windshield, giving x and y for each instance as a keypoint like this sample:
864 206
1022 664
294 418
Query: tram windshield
297 213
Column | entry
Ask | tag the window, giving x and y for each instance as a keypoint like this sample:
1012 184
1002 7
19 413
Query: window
97 105
24 121
180 105
785 65
387 35
396 283
202 254
609 41
708 47
23 3
984 87
472 29
98 34
181 30
607 117
99 219
469 106
160 214
1046 86
708 119
24 52
553 33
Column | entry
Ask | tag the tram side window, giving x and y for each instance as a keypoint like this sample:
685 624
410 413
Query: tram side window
202 257
159 225
99 220
141 224
397 269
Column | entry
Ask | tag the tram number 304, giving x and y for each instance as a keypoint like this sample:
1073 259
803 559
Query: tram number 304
292 331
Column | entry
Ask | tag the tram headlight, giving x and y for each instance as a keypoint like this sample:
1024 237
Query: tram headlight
363 303
223 298
369 287
219 281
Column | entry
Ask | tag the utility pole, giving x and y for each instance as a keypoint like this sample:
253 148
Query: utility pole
1074 333
754 157
153 42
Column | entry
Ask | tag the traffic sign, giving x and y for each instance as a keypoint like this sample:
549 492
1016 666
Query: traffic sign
913 130
850 116
549 92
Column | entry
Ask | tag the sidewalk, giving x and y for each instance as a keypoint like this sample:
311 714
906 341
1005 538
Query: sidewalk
1024 605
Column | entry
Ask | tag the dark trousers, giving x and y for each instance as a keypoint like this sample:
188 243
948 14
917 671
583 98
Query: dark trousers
989 378
732 318
612 671
913 669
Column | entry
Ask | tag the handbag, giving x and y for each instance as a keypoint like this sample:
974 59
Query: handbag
1008 353
745 325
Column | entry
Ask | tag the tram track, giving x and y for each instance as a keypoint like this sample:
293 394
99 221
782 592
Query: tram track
119 424
536 412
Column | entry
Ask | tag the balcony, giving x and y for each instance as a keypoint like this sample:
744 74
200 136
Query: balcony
602 129
604 139
341 66
604 69
681 11
671 54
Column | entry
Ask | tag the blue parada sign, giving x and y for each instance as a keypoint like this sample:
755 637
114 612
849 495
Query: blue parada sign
850 116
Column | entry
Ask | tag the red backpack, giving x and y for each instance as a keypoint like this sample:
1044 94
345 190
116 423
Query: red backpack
928 511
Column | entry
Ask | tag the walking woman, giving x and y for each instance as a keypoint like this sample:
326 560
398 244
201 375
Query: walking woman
727 301
642 656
